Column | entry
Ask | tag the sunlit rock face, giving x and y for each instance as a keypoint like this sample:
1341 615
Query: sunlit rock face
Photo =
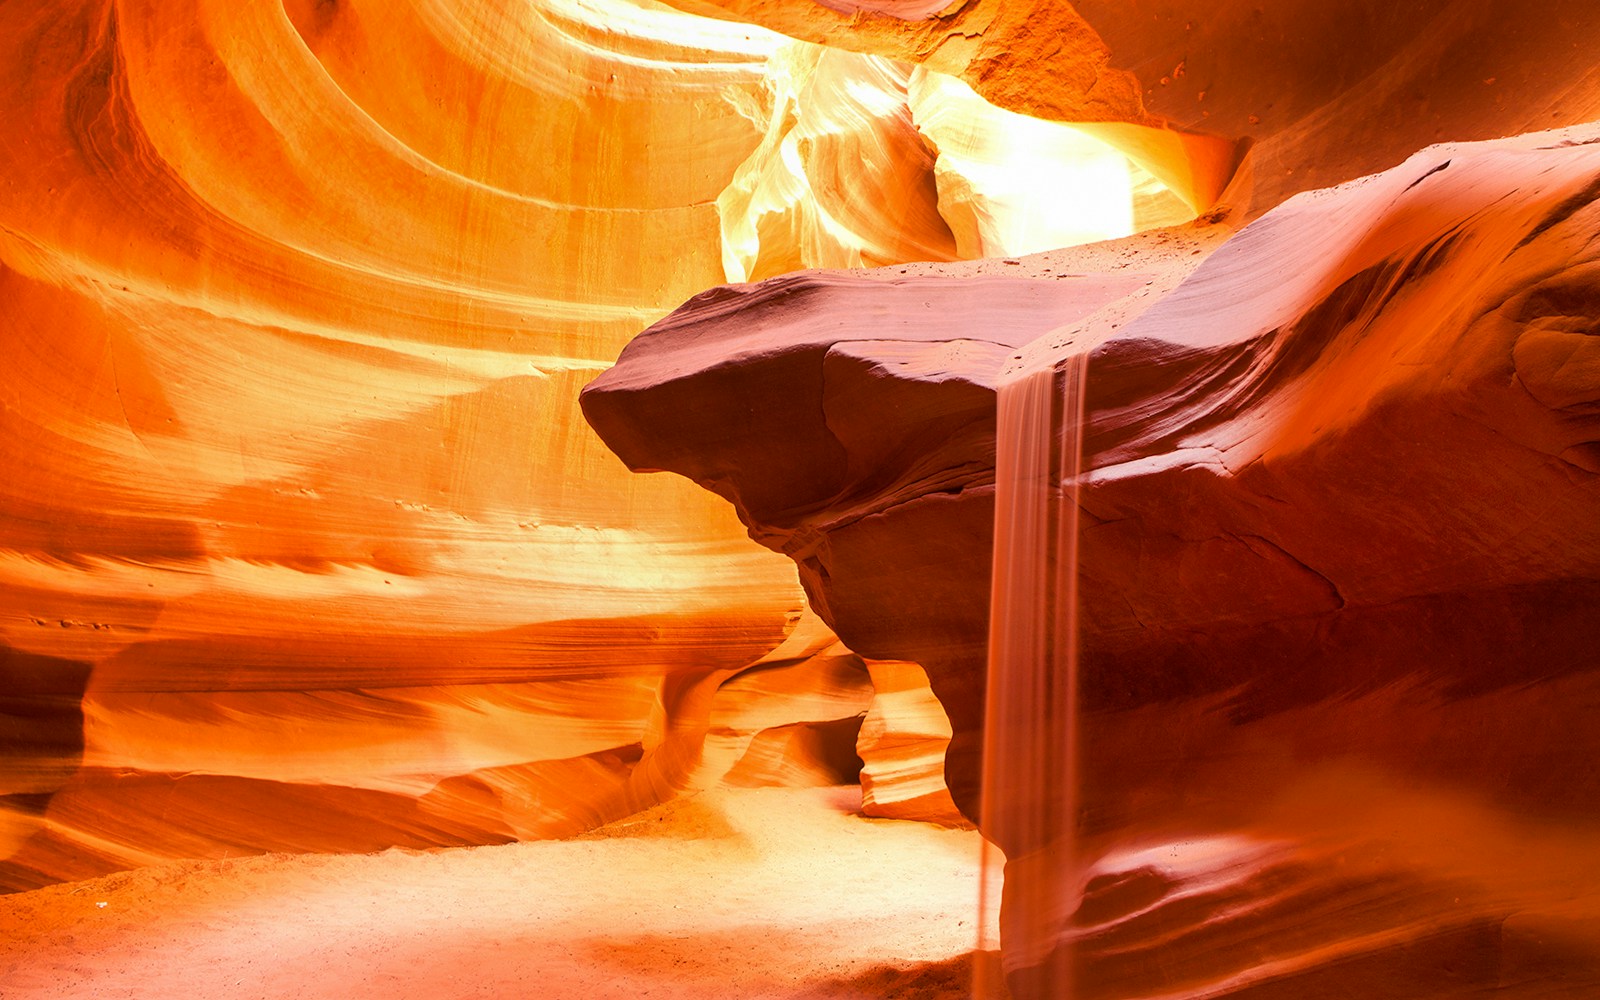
1009 184
303 544
842 178
866 160
1041 59
1321 92
902 746
1339 563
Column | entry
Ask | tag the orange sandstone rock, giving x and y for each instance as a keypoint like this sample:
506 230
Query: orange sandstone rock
902 745
302 545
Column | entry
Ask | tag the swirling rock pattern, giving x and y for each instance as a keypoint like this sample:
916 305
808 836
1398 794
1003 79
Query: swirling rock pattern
302 541
303 545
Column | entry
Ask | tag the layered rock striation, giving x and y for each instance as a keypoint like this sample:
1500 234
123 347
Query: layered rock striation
303 545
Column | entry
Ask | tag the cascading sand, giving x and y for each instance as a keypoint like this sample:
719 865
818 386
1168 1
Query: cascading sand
1029 782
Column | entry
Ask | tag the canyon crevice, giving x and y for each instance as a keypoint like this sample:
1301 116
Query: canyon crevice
322 327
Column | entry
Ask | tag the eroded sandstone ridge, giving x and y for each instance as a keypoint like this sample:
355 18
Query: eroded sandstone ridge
1340 562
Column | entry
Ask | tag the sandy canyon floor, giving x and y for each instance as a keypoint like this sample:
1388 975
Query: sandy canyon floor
737 893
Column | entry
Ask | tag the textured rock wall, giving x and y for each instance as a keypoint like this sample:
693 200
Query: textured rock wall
303 545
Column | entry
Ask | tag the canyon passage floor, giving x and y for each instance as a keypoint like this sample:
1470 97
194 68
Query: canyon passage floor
734 893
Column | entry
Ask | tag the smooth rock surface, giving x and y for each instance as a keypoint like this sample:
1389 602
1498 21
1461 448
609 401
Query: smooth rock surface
303 544
1339 565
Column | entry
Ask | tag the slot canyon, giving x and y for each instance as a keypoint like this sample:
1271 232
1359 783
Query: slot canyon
800 499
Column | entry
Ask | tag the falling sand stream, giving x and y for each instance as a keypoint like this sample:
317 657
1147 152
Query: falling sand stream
1030 731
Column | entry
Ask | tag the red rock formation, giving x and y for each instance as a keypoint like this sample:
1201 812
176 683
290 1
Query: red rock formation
1327 92
1339 560
863 445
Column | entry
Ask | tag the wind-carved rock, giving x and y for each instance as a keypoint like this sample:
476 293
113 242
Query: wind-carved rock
1340 562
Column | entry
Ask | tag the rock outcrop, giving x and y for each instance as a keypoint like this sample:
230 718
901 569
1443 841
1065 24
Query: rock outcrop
1339 563
849 418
